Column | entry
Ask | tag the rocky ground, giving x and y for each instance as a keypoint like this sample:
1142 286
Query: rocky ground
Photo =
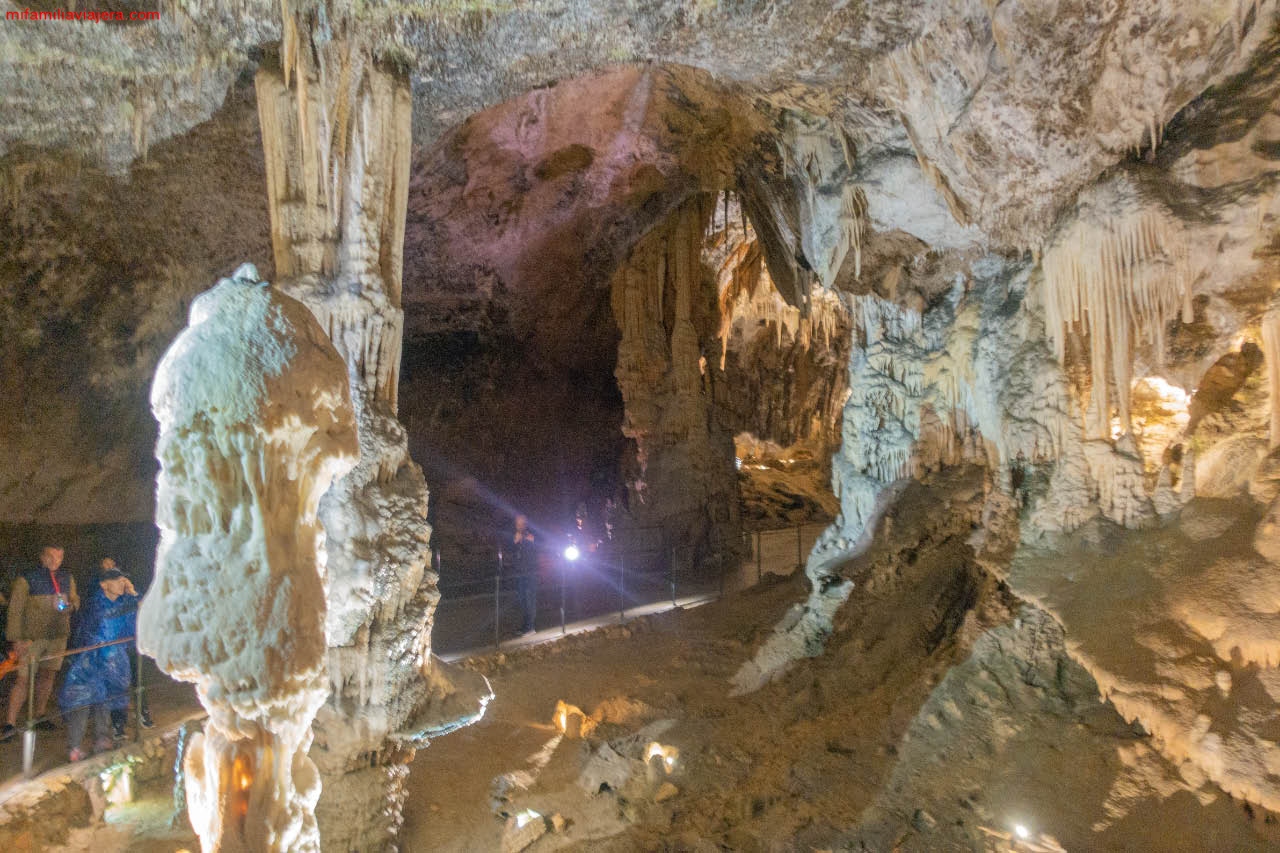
941 714
932 721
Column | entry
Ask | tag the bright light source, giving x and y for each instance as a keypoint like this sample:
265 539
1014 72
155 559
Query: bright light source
668 754
572 553
526 816
1021 831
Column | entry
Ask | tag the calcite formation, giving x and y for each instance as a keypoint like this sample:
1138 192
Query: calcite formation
1037 242
255 423
1118 272
335 137
684 446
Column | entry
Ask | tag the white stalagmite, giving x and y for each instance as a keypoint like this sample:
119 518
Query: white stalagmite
1118 271
336 136
255 423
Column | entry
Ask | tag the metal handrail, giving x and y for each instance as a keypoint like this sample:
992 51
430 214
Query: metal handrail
617 566
76 651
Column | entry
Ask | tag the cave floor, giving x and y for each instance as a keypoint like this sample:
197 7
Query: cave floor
941 715
895 738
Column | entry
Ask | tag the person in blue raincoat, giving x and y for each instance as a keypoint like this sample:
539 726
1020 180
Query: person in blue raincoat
98 681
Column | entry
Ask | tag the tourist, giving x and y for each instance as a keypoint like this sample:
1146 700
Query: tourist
38 624
524 564
119 716
98 681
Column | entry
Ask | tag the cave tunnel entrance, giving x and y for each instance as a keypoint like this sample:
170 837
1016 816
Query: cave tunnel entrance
609 306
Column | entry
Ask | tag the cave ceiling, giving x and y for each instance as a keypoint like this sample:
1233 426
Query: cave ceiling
550 135
1009 108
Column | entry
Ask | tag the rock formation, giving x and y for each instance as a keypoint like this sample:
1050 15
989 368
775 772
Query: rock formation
255 423
942 233
664 307
335 137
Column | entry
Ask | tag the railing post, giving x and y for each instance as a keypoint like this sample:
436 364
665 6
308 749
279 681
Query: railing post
497 610
29 734
671 575
497 603
563 573
759 541
138 691
622 587
799 548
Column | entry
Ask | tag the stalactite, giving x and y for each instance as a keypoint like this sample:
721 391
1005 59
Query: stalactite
747 297
1119 273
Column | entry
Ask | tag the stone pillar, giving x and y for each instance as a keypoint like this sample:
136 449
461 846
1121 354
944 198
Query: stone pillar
665 304
336 136
255 423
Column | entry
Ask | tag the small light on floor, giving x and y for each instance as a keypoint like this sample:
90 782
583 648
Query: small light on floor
525 816
1021 831
668 754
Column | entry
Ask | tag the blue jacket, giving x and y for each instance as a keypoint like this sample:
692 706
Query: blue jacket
102 675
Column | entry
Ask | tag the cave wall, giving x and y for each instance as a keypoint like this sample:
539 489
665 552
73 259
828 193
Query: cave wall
97 275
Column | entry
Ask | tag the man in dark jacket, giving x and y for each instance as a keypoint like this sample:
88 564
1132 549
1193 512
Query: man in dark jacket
524 564
38 624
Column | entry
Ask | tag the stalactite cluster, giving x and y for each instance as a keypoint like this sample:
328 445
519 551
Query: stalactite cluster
1118 272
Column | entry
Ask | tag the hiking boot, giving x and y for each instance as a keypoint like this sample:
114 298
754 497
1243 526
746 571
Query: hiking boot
8 731
146 720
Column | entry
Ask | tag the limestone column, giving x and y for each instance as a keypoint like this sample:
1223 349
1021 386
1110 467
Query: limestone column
336 136
663 300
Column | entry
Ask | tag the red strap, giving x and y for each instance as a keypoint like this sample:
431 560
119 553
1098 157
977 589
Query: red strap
57 588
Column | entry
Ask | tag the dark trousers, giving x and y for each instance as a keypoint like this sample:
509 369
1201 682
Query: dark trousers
527 596
78 720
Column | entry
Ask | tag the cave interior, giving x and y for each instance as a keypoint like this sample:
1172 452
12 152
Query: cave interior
304 303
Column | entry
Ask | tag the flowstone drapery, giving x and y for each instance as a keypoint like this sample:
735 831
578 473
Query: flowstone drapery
335 132
255 423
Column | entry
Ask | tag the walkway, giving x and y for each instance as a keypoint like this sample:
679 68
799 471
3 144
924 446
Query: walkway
464 626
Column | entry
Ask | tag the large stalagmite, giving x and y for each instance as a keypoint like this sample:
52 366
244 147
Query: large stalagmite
335 131
255 423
